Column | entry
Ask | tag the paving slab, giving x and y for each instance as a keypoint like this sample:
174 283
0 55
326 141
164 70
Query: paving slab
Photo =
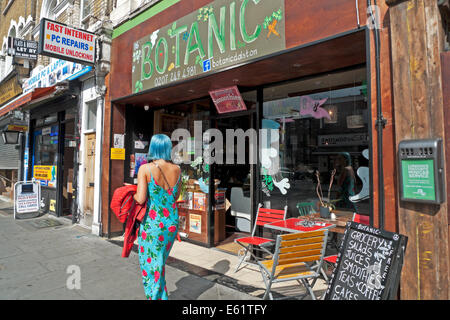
35 262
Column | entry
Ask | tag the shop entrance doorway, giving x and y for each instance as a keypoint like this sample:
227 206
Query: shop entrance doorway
89 178
68 152
236 179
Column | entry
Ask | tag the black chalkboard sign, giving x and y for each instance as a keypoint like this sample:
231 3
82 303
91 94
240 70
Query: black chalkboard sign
368 264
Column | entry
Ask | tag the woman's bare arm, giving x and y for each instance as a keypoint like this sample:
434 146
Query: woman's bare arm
141 193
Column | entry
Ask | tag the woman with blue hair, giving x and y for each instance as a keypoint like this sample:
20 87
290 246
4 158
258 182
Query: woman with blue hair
158 184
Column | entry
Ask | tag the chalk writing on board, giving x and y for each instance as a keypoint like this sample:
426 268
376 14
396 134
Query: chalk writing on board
364 264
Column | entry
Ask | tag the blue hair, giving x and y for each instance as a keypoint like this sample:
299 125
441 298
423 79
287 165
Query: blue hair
160 148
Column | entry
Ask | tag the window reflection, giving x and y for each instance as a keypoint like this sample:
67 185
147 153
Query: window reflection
323 125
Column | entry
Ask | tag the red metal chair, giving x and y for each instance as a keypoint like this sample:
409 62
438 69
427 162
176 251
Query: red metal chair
331 260
263 216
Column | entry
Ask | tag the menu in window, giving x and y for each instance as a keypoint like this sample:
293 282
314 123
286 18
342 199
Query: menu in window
228 100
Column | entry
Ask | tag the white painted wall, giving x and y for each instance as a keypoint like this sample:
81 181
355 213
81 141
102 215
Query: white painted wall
125 8
89 95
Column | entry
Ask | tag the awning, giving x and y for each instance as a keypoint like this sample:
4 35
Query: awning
37 93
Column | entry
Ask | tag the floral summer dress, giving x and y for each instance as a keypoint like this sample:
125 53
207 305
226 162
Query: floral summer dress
156 236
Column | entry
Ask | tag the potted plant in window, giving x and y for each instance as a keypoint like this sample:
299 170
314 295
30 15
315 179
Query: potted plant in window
183 187
326 207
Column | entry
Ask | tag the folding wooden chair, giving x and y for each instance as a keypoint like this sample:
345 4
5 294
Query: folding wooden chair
253 242
298 256
331 260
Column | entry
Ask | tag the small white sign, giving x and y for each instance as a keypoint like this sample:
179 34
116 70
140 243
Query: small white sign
138 144
46 131
119 141
27 197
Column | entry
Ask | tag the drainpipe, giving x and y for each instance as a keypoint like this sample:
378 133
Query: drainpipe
380 122
101 69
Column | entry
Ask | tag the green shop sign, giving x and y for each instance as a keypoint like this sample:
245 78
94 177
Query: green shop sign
219 35
418 179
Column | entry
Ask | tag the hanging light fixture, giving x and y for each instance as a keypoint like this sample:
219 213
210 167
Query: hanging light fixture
333 112
10 137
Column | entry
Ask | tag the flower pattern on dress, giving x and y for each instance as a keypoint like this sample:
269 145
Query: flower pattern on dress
156 237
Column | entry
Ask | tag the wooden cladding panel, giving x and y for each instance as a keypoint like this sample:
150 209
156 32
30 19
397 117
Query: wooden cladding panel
445 67
309 21
419 115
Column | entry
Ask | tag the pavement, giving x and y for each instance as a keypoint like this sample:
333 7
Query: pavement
49 258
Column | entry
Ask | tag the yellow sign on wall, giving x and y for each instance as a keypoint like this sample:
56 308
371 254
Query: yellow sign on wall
117 154
52 206
9 90
14 127
44 172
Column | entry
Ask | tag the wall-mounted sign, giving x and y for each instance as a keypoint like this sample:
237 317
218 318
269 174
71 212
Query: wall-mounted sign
9 89
418 179
219 35
422 171
61 41
338 140
228 100
15 127
55 72
119 140
117 154
25 49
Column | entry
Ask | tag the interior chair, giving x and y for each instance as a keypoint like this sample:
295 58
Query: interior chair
297 256
253 242
331 260
305 208
241 209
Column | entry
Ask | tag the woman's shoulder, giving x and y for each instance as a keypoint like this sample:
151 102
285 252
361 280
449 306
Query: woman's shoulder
175 167
145 167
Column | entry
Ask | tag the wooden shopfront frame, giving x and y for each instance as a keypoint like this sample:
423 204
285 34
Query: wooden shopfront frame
304 42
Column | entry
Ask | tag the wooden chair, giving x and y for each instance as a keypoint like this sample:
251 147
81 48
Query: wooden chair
253 242
297 256
305 208
331 260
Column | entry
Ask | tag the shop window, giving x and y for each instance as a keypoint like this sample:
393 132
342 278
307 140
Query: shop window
91 116
46 154
322 124
86 8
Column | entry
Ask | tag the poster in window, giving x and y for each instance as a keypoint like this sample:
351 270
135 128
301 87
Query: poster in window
220 200
45 174
199 201
195 223
228 100
140 159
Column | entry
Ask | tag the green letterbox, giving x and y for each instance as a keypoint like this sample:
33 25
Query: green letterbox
421 171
